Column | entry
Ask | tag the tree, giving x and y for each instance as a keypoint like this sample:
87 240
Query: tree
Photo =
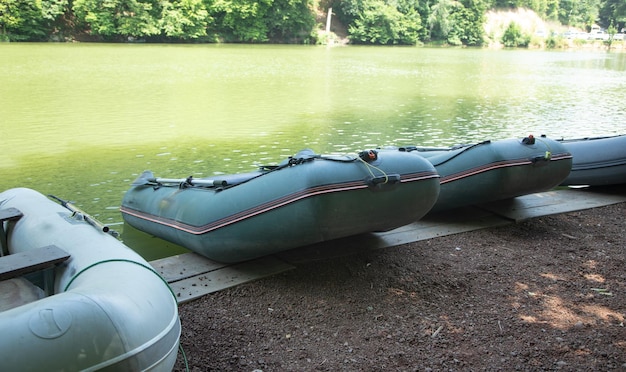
471 20
458 22
440 23
184 19
127 18
139 18
290 20
578 13
513 36
505 4
241 20
21 20
613 12
381 23
53 12
552 9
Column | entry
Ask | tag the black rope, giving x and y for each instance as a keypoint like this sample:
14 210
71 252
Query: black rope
409 149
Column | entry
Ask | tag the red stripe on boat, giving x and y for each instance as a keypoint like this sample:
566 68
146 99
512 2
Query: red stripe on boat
497 165
266 207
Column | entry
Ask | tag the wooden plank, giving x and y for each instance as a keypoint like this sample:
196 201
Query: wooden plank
18 264
185 265
196 286
332 249
432 226
551 202
10 214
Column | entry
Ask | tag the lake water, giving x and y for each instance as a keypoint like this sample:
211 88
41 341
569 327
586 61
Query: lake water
81 121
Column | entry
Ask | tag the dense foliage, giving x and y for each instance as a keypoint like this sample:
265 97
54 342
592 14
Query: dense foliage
513 36
386 22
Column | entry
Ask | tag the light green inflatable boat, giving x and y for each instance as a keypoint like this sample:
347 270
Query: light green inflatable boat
105 308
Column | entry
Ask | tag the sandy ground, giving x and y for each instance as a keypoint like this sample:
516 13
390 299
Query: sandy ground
545 294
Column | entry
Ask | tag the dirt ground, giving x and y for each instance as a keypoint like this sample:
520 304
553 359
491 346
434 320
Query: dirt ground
545 294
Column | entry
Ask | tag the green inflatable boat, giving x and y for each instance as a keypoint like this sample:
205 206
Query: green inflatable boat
307 199
598 161
498 170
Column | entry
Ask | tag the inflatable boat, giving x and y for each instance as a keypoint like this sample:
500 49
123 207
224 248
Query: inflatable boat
496 170
306 199
598 161
89 302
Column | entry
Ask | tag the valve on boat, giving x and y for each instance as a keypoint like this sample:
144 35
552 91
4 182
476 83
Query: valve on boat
368 155
530 140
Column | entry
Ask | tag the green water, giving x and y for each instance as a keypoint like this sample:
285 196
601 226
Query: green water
81 121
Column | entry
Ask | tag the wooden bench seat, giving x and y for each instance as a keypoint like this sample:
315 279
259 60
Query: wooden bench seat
41 259
22 263
16 265
8 214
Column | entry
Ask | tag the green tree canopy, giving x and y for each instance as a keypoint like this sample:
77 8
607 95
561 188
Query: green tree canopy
290 20
382 23
386 22
184 19
613 12
578 13
125 18
22 19
458 22
241 20
513 36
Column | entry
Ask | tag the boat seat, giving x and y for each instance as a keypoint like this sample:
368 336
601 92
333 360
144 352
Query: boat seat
40 259
9 214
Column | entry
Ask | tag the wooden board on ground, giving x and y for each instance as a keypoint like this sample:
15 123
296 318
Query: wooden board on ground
462 220
191 276
442 224
553 202
183 266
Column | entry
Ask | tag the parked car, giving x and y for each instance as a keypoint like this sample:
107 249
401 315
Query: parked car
598 35
580 35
